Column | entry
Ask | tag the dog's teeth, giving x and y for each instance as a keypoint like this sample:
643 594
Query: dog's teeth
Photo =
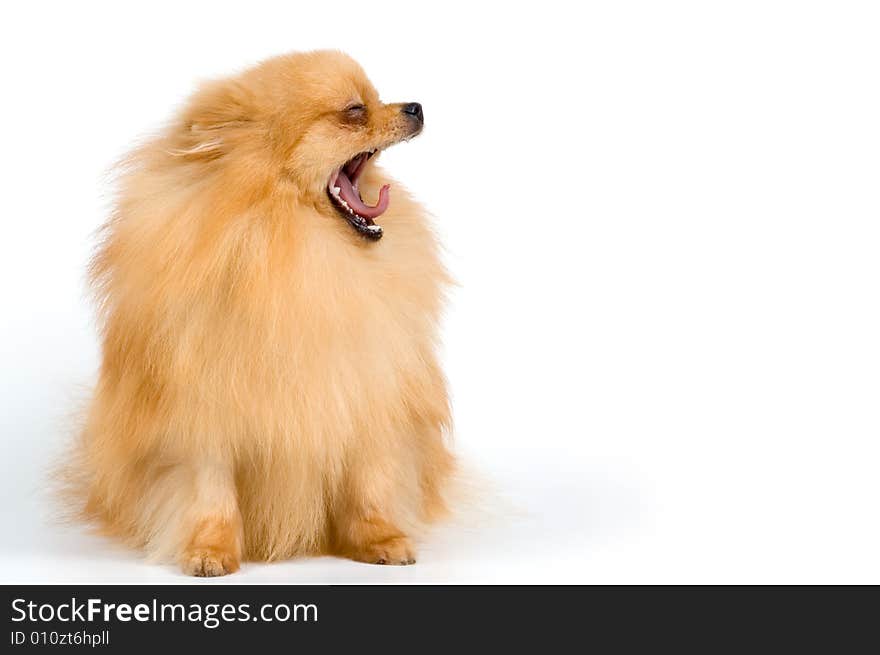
360 219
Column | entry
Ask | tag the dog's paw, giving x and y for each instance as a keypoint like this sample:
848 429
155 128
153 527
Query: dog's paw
208 563
395 550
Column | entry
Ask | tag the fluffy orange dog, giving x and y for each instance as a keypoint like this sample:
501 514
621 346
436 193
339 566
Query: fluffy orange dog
269 385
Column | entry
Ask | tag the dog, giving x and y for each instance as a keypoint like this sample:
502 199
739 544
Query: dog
269 302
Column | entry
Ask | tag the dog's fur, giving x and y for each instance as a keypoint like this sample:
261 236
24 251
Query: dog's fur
269 385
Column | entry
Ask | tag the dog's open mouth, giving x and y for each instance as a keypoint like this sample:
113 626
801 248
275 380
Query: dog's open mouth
343 191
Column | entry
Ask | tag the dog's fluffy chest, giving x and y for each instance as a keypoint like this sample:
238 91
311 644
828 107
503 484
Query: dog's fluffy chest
342 331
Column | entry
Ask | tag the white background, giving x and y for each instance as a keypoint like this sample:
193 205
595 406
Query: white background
665 218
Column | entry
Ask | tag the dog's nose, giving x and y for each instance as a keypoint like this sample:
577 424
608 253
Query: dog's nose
414 109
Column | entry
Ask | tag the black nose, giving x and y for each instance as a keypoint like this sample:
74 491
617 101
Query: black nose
414 109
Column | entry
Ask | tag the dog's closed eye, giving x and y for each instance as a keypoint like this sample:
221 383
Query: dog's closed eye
355 114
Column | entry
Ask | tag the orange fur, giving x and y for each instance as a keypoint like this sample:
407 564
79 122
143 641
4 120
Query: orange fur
269 385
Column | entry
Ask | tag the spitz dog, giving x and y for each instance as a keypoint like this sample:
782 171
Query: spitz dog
269 303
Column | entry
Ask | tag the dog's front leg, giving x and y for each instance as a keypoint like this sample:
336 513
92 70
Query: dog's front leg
212 530
363 529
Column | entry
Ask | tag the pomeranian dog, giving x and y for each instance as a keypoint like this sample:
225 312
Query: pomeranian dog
269 302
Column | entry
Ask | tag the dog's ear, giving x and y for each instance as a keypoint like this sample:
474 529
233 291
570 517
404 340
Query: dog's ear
213 118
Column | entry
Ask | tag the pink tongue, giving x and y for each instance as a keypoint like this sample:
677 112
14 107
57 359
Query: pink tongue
351 196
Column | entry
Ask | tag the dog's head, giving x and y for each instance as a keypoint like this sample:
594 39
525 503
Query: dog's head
313 119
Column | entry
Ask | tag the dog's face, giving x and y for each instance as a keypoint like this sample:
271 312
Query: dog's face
321 124
347 125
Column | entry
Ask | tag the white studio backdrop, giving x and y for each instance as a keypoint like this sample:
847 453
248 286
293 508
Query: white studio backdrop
665 221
